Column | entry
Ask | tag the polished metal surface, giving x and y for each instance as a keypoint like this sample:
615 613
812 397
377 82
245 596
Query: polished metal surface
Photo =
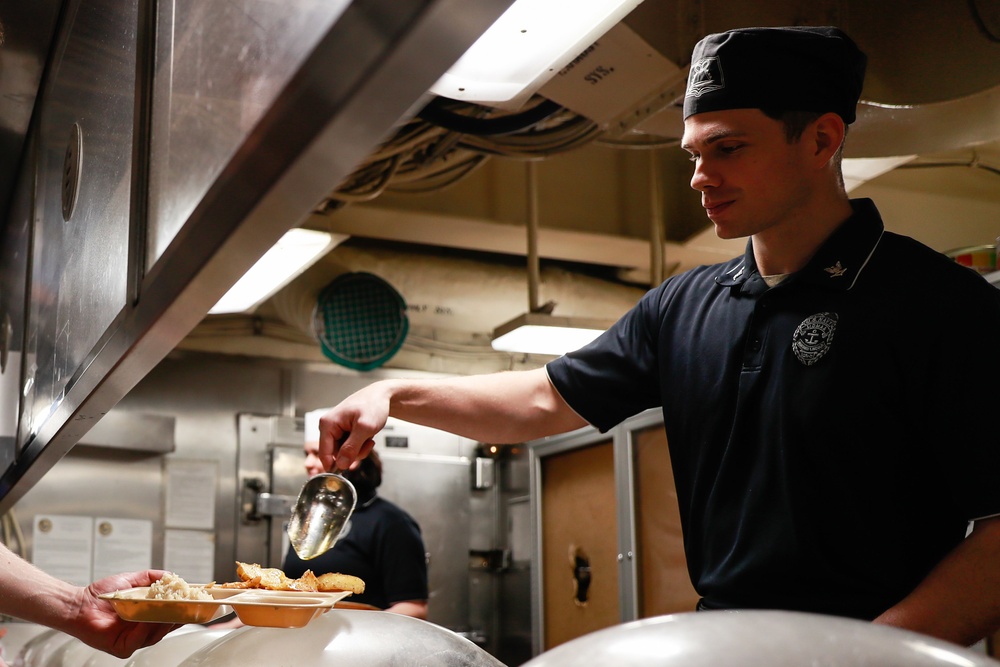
28 32
320 514
198 394
346 638
100 482
79 265
206 395
90 345
14 250
176 647
287 475
134 432
757 638
435 489
269 460
224 64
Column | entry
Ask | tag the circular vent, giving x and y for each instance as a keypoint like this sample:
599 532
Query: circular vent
360 321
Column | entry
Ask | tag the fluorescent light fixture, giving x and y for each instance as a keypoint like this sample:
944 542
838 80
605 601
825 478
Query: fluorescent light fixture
538 333
526 47
294 252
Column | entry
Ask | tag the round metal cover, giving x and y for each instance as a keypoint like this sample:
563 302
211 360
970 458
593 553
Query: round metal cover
757 639
337 638
360 321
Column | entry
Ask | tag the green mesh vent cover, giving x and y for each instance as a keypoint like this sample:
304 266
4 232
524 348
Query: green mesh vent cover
360 321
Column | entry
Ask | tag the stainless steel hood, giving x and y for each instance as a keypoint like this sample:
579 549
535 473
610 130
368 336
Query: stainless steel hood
100 283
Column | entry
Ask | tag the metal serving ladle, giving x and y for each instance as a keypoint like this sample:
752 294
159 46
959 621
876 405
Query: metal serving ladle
320 513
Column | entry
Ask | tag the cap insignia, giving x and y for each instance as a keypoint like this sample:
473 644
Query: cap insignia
836 271
705 76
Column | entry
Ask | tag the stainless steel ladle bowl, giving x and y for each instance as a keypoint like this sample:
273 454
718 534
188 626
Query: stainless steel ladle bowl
320 513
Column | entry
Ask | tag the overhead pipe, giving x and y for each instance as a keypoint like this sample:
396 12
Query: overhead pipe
534 264
656 221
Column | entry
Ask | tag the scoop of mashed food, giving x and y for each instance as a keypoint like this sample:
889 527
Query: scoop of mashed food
172 587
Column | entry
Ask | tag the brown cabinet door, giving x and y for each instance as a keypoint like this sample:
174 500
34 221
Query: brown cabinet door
579 540
664 584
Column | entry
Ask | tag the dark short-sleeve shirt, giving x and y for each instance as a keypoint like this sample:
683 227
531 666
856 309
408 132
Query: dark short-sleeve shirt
382 546
831 437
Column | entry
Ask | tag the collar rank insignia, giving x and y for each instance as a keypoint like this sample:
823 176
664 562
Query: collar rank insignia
836 270
813 337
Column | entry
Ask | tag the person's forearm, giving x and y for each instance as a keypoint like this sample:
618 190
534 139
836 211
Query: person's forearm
959 600
501 408
32 595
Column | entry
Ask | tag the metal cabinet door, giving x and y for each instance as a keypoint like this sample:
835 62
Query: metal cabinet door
80 258
435 490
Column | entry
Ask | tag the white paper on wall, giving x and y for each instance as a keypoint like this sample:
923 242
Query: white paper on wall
63 546
121 545
190 554
190 493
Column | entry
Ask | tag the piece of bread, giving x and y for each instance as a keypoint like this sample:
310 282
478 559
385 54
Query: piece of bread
334 581
307 582
249 583
274 579
267 577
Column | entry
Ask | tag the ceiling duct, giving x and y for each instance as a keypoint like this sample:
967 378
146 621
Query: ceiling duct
360 321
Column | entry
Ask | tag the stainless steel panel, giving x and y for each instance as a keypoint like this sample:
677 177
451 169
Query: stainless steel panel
14 253
484 473
98 482
80 265
435 490
628 577
267 446
288 474
513 606
288 471
220 65
134 432
513 617
484 547
29 28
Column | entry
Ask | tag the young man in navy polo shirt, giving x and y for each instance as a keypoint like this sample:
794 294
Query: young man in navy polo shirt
826 396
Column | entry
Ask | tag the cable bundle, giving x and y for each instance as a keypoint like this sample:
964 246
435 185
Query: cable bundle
447 140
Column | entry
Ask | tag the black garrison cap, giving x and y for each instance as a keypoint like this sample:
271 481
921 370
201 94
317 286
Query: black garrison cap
785 69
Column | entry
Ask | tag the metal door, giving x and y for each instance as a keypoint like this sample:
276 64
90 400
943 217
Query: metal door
287 474
270 474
